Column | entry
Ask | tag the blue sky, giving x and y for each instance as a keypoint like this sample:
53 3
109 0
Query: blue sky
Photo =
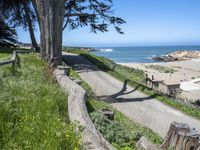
149 22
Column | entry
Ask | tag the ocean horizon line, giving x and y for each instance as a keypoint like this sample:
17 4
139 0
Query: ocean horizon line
141 54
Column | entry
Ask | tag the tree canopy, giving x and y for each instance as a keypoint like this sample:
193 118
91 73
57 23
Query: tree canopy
20 13
14 12
53 16
7 34
97 14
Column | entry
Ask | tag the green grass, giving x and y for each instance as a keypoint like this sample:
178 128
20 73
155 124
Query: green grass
6 53
161 69
135 130
136 79
127 129
33 108
83 84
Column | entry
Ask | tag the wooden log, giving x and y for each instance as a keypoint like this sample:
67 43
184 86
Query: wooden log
181 137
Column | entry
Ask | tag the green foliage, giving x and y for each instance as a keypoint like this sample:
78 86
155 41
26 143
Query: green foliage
33 112
113 131
83 84
6 32
135 130
96 14
162 69
6 53
137 81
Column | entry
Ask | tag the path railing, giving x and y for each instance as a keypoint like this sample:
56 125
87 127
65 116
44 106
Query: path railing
13 59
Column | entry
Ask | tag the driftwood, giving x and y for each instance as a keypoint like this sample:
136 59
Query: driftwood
181 137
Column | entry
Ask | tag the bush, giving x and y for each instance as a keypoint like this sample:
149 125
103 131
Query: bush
113 131
135 130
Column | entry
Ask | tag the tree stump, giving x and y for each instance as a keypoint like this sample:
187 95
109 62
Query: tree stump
181 137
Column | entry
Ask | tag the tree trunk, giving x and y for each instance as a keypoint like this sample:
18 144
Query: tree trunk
51 17
30 26
36 11
181 137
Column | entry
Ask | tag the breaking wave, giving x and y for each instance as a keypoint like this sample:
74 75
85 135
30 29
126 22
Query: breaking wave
106 50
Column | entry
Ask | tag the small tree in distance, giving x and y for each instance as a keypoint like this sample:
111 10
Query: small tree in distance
55 15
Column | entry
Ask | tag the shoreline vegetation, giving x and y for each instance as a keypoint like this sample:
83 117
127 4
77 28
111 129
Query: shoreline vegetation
33 112
161 69
136 79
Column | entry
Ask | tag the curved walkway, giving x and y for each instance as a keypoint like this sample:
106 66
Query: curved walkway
134 104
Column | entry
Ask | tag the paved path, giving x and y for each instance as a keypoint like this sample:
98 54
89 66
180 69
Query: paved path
134 104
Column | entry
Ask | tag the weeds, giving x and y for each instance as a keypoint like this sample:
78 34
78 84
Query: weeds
33 112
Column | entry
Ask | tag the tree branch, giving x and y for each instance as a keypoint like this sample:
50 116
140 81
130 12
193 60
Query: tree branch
79 15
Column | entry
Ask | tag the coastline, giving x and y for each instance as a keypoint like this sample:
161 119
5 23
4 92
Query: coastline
185 73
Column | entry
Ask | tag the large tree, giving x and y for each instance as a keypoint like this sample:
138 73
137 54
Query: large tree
51 17
56 15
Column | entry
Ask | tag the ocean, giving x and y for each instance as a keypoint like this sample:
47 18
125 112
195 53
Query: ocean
140 54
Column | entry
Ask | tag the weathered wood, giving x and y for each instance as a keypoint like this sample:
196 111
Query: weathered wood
145 144
13 58
6 62
181 137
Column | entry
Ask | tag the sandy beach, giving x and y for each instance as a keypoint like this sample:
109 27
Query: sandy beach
187 73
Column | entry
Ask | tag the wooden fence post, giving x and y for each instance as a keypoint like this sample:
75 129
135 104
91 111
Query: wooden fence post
181 137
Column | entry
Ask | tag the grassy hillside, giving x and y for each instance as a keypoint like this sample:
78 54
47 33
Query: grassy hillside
121 132
6 53
33 108
136 79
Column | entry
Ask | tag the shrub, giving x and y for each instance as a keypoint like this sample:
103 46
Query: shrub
113 131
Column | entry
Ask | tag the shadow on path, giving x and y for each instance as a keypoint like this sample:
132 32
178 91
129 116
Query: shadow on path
117 97
79 63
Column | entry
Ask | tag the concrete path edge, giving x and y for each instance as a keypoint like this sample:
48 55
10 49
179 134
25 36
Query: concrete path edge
77 109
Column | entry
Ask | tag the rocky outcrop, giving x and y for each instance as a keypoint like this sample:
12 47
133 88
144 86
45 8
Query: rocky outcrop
179 56
92 139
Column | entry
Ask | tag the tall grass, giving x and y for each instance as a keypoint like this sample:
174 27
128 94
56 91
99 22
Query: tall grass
33 109
6 53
